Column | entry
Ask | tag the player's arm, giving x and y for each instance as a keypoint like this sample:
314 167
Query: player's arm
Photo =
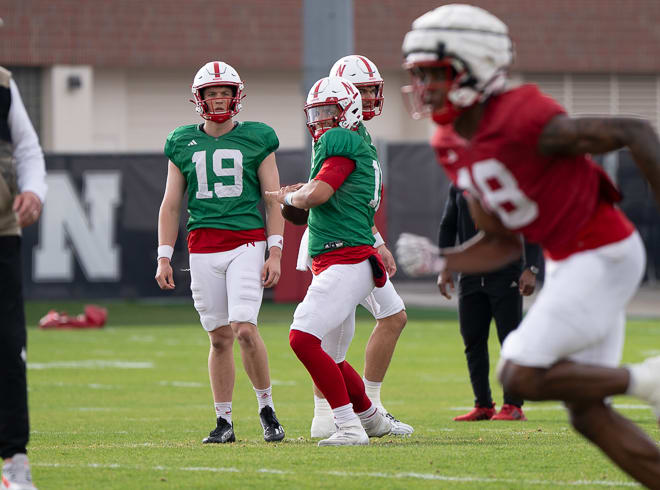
485 252
312 194
320 189
384 252
168 224
269 179
490 249
566 136
449 221
447 238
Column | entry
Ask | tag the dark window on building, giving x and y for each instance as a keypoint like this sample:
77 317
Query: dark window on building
28 79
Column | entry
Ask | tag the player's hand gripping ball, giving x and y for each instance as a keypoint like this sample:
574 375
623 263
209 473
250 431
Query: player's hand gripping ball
295 215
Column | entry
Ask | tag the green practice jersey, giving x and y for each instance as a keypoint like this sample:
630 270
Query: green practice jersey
345 220
362 131
221 173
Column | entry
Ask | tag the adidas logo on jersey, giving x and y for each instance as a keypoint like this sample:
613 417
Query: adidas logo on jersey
193 142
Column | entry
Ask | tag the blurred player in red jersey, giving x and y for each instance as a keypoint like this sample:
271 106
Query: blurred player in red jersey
526 171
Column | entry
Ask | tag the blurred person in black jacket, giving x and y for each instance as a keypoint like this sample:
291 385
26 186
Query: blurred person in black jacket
482 298
22 193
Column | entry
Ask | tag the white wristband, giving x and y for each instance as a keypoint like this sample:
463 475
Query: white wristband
288 198
276 241
165 251
379 240
439 264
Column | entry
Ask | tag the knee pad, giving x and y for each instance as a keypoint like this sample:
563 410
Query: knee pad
243 313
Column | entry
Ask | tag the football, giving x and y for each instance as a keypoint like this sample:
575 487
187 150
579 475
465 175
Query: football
295 215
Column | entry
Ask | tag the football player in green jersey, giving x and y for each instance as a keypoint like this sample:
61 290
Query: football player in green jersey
225 166
342 197
384 303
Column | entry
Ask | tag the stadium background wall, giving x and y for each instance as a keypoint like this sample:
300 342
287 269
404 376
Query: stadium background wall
98 235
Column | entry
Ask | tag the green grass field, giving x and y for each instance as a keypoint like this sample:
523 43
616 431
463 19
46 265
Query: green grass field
126 407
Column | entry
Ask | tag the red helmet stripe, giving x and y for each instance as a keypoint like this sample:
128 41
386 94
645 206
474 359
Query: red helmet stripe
366 63
216 69
316 89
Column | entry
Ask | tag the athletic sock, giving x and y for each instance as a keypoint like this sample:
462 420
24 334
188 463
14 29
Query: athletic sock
368 413
372 388
321 407
265 398
223 409
344 415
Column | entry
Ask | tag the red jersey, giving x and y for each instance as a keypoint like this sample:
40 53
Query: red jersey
565 204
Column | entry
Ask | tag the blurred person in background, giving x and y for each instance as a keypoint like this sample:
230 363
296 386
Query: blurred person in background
342 196
384 303
482 298
225 166
22 194
526 171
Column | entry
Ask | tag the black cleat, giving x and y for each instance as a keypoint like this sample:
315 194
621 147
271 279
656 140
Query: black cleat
224 432
273 431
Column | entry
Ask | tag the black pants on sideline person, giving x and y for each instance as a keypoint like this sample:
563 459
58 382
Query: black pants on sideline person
478 303
14 424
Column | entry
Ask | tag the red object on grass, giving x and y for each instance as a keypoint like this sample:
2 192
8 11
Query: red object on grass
93 317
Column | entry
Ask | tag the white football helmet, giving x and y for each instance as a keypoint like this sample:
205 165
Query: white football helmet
332 102
471 44
217 73
363 73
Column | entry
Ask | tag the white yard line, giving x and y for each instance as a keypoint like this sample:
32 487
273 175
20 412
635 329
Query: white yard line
90 364
182 384
349 474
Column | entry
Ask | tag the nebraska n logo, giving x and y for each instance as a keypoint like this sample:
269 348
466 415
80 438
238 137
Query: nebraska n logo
349 88
340 70
85 225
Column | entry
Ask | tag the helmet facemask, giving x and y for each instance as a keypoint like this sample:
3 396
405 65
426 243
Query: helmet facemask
372 104
322 117
435 87
218 108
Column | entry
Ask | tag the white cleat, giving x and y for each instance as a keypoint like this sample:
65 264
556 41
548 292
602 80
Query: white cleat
647 382
399 428
378 425
323 426
350 434
16 474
